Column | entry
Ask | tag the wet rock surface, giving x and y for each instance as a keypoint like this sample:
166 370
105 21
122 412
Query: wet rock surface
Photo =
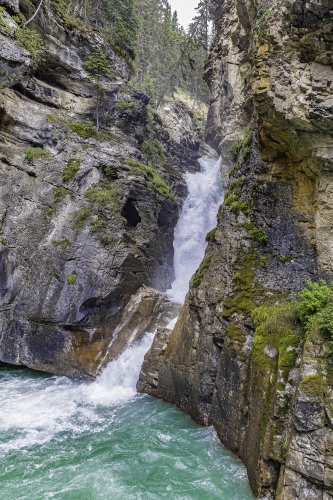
271 118
82 225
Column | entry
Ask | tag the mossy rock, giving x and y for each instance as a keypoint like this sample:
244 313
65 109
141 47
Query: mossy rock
200 272
71 279
313 386
71 169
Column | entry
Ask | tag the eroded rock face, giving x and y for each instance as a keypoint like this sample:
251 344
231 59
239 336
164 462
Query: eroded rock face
82 226
15 63
270 73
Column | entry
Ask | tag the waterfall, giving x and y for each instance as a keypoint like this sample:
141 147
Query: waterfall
197 218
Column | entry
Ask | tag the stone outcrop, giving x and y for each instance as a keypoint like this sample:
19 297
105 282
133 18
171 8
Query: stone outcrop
270 73
84 222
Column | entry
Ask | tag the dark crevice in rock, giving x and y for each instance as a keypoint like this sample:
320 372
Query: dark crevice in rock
23 91
130 213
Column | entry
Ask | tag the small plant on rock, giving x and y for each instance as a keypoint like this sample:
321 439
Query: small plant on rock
31 154
71 279
71 169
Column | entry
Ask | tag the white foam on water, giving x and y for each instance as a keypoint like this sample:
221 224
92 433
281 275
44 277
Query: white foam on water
197 218
35 410
118 380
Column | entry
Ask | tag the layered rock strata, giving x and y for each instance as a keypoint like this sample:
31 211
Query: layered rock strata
271 77
84 222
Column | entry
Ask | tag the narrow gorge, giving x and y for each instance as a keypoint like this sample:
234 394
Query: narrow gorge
118 220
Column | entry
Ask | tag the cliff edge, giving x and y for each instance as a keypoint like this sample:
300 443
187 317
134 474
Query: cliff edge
240 357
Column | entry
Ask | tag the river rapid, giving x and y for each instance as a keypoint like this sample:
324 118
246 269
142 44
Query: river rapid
70 440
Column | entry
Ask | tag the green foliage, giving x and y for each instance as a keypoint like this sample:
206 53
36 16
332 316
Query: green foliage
154 151
210 237
3 21
148 87
264 16
71 279
240 148
200 272
314 299
52 118
105 239
63 244
125 105
256 233
31 154
60 193
152 177
71 169
31 41
110 172
81 215
97 226
277 327
313 385
85 129
235 204
150 116
237 183
103 195
98 65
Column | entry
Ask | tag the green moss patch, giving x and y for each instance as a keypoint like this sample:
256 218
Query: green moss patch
256 233
313 385
81 215
31 154
103 194
52 118
153 178
277 327
200 272
60 193
240 148
236 336
71 279
210 237
71 169
242 302
63 244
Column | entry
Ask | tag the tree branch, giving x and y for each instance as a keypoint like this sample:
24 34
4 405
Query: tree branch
35 14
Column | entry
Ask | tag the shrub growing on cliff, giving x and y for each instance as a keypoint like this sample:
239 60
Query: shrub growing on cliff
103 194
31 154
31 41
277 327
85 129
200 272
240 148
152 177
71 169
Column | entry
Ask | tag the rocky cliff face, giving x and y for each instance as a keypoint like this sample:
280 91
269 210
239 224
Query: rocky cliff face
250 371
84 222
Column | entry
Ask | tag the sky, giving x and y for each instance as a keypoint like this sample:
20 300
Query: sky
185 10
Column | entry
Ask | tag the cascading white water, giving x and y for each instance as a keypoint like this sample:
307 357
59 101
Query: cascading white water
198 217
66 439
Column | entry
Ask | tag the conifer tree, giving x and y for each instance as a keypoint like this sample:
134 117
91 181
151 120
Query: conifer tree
99 68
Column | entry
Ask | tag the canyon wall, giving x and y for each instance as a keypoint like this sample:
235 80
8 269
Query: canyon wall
250 370
84 221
